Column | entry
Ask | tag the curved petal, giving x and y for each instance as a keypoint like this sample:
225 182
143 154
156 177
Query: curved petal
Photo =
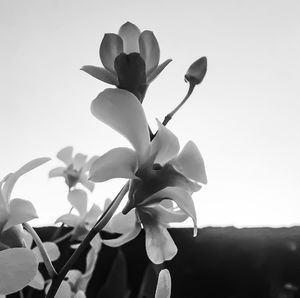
20 211
57 172
65 155
191 163
149 50
124 238
151 76
51 249
101 74
71 220
130 34
165 145
38 282
12 179
163 289
123 223
79 161
93 214
160 246
18 267
116 163
180 197
123 112
78 200
111 47
86 183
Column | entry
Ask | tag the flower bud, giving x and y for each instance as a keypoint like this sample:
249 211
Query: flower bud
196 71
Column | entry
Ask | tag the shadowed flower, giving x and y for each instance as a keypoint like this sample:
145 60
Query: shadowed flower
157 172
18 264
75 169
130 60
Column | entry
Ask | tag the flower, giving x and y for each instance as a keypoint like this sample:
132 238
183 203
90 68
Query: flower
130 60
85 219
156 170
15 260
75 170
197 71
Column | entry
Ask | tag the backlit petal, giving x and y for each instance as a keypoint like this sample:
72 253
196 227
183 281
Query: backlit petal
57 172
79 161
130 35
51 249
123 112
190 163
116 163
163 289
78 200
71 220
151 76
165 145
149 50
111 46
101 74
160 246
86 183
20 211
122 224
93 214
18 267
65 155
88 164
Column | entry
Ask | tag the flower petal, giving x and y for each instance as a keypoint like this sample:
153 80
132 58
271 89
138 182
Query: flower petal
101 74
111 46
79 161
163 289
123 223
20 211
93 214
51 249
57 172
71 220
64 290
38 282
3 206
65 155
116 163
18 267
149 50
130 34
157 71
86 183
160 246
78 200
122 111
88 164
165 145
12 179
191 163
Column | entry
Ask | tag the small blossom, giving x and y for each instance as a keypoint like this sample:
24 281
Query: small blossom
130 60
197 71
156 170
75 169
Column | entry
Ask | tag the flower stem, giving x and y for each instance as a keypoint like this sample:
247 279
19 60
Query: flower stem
62 238
51 270
170 115
101 223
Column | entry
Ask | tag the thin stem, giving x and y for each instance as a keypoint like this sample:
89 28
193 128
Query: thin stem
62 238
170 115
51 270
21 294
101 223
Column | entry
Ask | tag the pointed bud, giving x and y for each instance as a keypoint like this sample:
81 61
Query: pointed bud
196 71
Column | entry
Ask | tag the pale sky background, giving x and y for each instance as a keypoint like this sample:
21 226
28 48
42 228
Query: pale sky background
244 117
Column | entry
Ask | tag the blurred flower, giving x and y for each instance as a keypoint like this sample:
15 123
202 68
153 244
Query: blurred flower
85 219
18 264
156 170
197 71
75 170
130 60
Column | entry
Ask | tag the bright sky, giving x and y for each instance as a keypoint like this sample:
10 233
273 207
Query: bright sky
244 117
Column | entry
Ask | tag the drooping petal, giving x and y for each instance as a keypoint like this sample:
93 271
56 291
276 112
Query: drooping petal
65 155
38 282
163 289
149 50
93 214
190 163
86 183
12 179
111 46
181 197
18 267
51 249
78 199
151 76
160 246
122 111
122 224
165 145
101 74
20 211
116 163
130 35
71 220
79 161
57 172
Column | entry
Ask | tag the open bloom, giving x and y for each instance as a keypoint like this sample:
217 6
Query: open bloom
18 264
157 171
75 169
130 60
